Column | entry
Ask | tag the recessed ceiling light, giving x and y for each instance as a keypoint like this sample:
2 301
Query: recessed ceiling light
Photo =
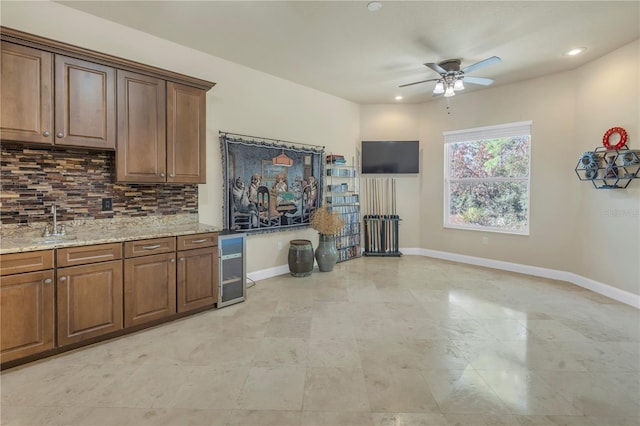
398 98
575 51
374 6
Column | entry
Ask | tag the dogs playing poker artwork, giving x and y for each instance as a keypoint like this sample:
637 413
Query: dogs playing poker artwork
270 185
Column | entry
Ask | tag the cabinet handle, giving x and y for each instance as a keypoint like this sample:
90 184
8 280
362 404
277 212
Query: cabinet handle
48 281
182 259
63 279
172 175
161 174
173 261
46 133
153 247
60 135
204 240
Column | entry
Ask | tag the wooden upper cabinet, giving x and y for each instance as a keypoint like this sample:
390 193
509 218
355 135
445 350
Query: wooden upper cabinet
26 94
85 99
53 99
59 94
141 149
186 134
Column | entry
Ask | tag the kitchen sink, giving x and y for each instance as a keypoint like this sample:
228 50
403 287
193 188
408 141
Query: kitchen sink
55 239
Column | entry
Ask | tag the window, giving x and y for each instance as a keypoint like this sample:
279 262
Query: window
487 178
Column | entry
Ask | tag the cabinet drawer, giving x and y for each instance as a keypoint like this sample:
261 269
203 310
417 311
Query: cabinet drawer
15 263
187 242
151 246
83 255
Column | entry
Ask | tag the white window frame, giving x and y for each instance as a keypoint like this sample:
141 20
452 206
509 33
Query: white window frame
485 133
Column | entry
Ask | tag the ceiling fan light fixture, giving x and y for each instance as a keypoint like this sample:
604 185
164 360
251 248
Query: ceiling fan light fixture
449 92
458 85
374 6
439 89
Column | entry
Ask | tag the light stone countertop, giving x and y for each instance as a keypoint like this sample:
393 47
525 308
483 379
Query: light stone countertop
17 239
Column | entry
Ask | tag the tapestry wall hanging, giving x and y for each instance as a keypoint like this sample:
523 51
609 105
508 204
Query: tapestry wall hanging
269 185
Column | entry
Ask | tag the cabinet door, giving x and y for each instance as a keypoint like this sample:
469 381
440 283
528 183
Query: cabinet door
197 278
85 104
141 154
89 301
27 321
149 288
186 134
26 94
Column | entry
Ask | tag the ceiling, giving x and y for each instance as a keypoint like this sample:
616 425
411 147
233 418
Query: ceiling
341 48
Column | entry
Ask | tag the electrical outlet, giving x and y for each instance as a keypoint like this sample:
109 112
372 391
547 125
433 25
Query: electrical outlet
279 245
107 204
485 240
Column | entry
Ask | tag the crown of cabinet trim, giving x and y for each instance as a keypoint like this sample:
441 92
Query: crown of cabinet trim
49 45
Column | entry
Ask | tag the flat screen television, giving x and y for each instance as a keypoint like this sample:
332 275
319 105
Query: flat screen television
390 157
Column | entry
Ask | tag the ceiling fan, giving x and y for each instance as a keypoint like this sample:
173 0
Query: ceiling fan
452 78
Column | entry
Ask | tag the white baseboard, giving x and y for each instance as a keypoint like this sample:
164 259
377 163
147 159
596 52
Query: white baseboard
611 292
263 274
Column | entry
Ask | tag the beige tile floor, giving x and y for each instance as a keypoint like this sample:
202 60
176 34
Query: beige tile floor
377 342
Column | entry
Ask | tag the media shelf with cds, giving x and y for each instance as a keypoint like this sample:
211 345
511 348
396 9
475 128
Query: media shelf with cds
342 195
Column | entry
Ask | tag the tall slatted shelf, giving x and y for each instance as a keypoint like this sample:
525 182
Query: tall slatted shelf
342 195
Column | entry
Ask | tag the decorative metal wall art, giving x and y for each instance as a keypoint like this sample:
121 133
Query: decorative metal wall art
611 166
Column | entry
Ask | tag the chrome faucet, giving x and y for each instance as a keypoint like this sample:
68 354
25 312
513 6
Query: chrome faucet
56 231
55 219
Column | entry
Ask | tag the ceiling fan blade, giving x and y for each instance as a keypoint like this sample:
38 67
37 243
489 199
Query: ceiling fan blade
437 68
478 80
485 63
418 82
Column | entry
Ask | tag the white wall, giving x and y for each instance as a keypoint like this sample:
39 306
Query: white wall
397 122
552 206
574 227
609 220
243 101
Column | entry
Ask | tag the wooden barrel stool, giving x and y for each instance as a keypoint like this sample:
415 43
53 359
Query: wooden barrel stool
300 258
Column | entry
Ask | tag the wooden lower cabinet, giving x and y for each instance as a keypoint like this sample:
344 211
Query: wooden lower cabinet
91 291
27 319
197 278
89 301
149 288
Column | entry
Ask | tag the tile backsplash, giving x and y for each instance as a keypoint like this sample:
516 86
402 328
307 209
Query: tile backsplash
76 181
